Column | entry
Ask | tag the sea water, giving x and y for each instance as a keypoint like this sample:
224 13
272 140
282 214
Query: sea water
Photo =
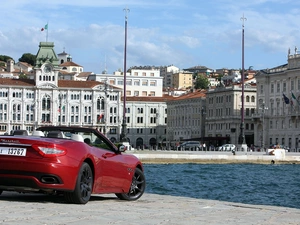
259 184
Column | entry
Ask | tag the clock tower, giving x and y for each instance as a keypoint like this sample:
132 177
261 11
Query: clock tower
47 66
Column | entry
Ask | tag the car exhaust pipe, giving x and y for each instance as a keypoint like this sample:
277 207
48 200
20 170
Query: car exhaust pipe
49 180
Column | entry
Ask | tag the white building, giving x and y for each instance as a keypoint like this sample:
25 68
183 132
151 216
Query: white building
140 82
145 104
167 73
278 117
44 100
54 96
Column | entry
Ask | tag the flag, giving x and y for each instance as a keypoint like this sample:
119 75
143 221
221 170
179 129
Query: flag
292 103
45 27
61 108
286 99
100 117
294 97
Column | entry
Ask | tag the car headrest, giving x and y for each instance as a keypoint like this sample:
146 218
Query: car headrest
38 133
77 137
55 134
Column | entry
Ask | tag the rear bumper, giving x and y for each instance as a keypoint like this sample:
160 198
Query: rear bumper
37 175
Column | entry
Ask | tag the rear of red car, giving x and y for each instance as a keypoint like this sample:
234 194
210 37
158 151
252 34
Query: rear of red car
36 164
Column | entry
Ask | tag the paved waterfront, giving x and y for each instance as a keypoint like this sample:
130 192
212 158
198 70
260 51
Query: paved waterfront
151 156
150 209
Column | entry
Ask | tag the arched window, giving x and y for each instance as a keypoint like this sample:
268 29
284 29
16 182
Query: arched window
46 103
98 104
247 98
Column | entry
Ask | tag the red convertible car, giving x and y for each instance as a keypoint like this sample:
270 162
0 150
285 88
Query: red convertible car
73 161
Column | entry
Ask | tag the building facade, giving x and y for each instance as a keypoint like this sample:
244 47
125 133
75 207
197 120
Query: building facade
54 96
278 107
183 80
186 117
145 104
223 114
46 100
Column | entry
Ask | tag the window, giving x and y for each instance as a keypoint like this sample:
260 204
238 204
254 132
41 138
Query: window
272 88
152 83
247 98
153 110
46 103
139 120
153 120
113 131
278 87
113 82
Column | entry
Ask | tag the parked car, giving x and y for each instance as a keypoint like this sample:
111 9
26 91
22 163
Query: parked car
73 161
190 145
227 147
280 146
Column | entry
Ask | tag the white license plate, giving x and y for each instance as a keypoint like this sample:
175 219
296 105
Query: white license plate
13 151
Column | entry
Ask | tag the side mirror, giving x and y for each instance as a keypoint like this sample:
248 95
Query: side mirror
122 148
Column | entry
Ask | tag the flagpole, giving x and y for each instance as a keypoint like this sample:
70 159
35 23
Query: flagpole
47 32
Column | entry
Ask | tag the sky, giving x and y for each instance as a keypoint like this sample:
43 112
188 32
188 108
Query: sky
183 33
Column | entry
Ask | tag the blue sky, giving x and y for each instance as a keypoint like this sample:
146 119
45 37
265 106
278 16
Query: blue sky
184 33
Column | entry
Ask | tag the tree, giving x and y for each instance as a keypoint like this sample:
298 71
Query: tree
28 58
23 76
4 58
202 82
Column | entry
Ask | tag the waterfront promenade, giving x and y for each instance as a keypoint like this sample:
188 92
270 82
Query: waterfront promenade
150 209
166 156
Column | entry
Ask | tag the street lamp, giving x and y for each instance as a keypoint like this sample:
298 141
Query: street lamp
242 140
202 126
263 110
123 132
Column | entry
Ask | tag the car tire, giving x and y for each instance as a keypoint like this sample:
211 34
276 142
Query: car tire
137 187
83 186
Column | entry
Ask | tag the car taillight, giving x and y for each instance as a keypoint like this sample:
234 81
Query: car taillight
50 151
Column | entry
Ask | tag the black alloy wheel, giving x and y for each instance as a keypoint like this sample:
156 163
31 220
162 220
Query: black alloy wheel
137 187
83 187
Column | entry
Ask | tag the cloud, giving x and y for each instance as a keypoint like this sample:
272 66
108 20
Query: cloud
159 32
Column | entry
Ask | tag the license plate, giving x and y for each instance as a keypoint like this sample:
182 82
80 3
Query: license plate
13 151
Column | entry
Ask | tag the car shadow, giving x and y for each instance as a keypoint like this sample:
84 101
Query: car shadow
44 198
